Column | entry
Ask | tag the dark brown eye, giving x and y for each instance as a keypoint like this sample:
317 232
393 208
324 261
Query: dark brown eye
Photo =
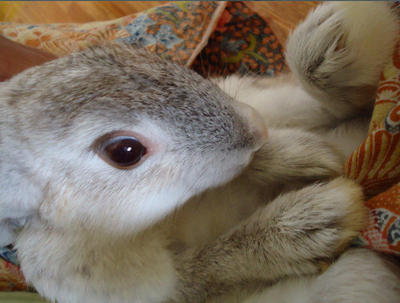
122 151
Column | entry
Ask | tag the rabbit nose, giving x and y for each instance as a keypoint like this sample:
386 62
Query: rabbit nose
256 123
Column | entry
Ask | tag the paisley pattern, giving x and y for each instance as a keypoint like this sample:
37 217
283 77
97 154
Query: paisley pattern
175 31
383 231
241 43
11 278
376 164
217 38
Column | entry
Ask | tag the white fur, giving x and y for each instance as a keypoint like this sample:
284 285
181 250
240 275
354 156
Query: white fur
139 267
353 278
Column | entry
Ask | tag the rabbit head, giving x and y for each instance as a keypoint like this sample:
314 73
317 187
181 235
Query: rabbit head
114 138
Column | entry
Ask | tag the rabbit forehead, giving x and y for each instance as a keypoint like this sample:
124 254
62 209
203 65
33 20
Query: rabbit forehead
123 83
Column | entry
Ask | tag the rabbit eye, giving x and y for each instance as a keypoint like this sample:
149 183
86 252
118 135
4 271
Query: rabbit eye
122 151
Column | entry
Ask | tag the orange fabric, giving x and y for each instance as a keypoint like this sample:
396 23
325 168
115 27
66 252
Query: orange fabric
173 31
376 164
11 278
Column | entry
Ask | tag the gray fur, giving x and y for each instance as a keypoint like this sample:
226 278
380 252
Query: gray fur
218 210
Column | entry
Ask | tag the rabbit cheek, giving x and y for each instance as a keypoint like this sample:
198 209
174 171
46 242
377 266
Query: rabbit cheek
57 208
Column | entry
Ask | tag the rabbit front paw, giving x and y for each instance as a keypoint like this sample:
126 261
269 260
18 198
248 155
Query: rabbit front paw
324 218
340 49
293 156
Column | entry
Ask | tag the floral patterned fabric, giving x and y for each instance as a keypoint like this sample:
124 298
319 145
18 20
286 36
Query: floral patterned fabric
376 164
11 278
217 38
241 43
176 31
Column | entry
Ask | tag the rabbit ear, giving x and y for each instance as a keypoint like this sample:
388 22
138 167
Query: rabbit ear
20 196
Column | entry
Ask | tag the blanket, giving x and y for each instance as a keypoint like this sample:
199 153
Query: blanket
218 38
376 164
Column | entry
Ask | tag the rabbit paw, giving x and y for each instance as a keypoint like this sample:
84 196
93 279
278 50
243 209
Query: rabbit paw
328 216
292 156
340 49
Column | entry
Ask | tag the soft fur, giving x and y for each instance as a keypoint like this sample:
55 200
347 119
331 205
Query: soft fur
221 209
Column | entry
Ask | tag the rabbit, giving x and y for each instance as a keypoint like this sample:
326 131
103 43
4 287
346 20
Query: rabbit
128 178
